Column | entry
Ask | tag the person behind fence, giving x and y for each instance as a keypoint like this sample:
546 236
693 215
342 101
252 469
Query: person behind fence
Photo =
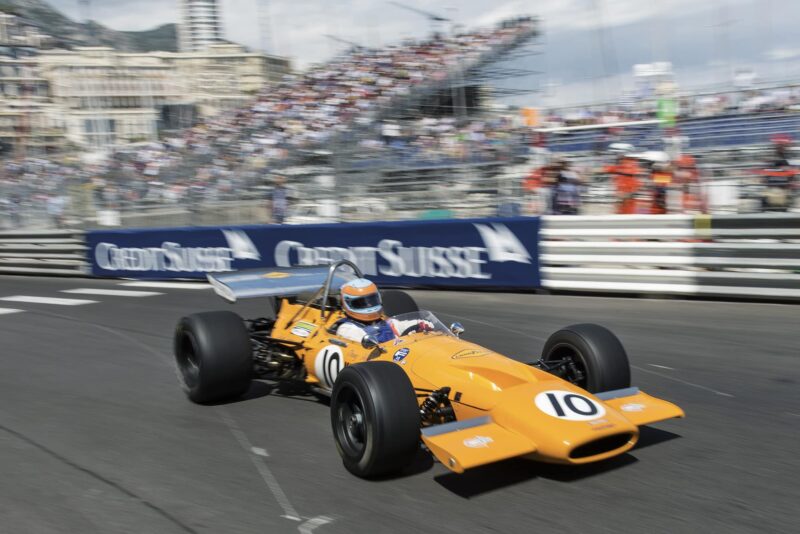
779 178
279 201
364 315
661 178
55 209
627 184
566 196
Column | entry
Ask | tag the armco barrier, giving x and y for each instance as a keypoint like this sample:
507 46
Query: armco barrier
752 256
43 252
465 253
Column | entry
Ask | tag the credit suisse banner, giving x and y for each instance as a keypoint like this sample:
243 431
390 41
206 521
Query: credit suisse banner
498 252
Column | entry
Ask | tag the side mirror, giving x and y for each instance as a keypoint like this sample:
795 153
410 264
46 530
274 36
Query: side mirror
457 329
370 341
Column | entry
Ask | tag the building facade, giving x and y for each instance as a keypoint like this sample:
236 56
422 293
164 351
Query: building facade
200 25
107 97
29 123
226 76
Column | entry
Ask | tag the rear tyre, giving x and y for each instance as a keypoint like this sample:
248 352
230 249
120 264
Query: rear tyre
214 356
596 360
396 302
375 419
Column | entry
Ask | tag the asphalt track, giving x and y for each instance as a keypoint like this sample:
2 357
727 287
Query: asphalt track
95 435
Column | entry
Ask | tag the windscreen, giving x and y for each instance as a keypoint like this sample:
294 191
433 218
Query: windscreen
424 315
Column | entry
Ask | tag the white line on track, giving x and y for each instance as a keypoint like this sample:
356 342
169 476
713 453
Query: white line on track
692 384
313 523
168 285
47 300
111 292
661 366
269 479
6 311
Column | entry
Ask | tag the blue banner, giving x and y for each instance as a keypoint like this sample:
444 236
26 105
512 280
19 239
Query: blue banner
498 252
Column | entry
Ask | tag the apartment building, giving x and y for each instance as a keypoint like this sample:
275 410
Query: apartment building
28 123
200 25
107 97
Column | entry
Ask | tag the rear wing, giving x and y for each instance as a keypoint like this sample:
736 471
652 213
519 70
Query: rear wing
281 282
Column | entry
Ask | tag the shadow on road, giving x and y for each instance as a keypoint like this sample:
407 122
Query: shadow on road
501 475
653 436
256 391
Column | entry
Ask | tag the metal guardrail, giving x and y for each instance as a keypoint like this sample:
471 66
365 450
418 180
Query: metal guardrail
735 256
750 256
43 252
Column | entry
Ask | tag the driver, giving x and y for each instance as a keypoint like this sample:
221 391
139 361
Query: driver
361 303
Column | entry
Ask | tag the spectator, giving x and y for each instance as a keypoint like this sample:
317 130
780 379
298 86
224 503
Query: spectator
627 183
566 194
661 179
779 178
279 201
55 209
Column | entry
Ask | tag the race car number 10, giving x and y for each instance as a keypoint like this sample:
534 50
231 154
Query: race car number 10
328 364
568 405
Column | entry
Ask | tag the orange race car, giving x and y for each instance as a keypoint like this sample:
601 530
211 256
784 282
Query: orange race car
413 381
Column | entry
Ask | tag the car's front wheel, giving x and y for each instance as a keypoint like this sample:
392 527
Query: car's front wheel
590 356
375 418
214 356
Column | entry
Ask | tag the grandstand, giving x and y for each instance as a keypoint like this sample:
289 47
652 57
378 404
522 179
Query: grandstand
703 133
406 126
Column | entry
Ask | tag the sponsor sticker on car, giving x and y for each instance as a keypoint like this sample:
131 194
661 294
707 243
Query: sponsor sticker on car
470 353
276 275
478 442
632 407
401 354
303 329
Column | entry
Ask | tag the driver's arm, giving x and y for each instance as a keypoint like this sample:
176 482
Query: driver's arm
403 328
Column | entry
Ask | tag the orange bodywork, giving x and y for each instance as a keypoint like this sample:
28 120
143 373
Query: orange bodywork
503 408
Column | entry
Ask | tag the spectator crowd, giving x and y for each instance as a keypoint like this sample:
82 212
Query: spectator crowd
230 155
694 106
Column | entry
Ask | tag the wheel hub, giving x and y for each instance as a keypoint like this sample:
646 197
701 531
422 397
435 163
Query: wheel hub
355 425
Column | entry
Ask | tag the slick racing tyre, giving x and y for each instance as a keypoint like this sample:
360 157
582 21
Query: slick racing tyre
396 302
375 418
596 360
214 356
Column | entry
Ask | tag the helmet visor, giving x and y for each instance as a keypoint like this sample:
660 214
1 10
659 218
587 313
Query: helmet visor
363 302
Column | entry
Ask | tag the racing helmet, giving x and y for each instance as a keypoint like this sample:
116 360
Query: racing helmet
361 300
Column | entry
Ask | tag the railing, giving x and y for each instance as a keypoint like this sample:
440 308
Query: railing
703 133
44 252
750 256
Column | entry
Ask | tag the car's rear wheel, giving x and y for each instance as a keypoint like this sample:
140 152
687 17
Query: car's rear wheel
589 356
214 356
396 302
375 418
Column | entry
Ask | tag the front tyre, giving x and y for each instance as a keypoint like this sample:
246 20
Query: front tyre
214 356
375 418
589 356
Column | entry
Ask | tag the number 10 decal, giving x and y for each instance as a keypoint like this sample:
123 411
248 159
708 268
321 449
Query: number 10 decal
328 364
568 405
